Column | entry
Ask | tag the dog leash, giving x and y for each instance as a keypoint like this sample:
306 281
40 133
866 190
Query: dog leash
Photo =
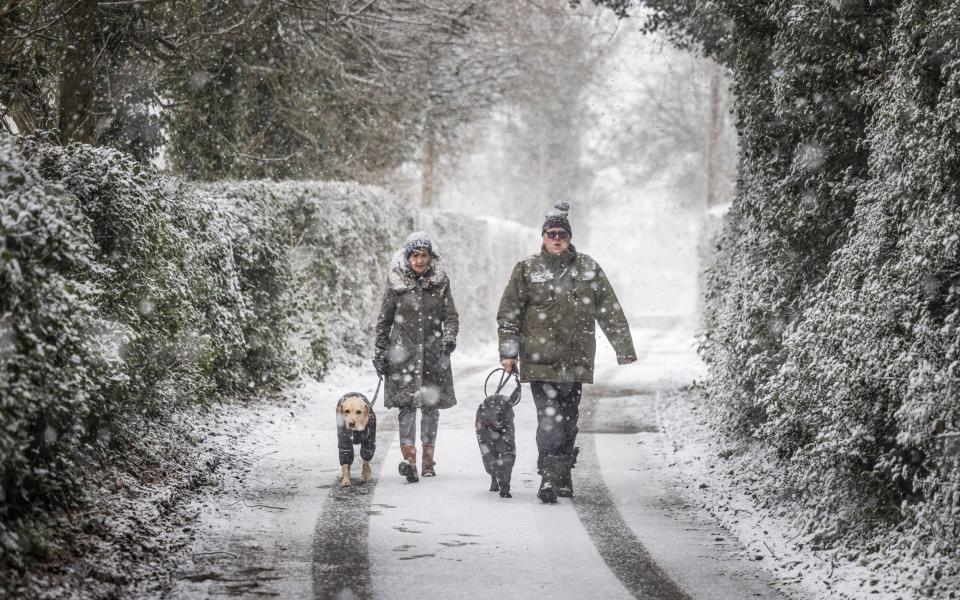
504 378
376 393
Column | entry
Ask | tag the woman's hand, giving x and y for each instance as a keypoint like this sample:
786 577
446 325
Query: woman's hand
508 364
449 346
380 365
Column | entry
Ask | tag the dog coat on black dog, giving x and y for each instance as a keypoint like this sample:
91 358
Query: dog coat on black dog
496 436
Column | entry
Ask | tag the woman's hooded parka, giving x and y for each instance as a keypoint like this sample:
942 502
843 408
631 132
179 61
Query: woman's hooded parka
416 317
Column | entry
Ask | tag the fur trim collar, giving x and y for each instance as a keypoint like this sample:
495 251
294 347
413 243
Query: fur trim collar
403 279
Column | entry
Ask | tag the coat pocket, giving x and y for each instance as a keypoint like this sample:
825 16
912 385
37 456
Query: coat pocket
583 347
539 347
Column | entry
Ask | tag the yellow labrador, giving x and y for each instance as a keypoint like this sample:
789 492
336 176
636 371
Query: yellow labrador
356 424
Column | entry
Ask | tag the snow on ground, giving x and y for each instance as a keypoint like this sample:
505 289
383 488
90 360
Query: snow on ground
450 537
727 488
256 538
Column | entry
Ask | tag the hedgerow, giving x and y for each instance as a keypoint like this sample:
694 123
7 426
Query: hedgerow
340 236
56 351
129 297
833 302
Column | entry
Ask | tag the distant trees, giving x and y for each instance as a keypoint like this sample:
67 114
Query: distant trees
552 106
677 130
537 138
534 61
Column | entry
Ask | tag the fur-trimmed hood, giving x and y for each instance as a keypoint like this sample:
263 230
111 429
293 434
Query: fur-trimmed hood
402 278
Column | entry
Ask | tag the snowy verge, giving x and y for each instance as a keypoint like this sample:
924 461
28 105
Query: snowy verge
733 483
730 483
129 536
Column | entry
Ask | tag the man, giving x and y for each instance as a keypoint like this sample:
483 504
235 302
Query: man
546 322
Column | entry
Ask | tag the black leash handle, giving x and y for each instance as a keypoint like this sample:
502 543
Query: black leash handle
504 379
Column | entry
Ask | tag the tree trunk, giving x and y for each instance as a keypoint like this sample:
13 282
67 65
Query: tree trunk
77 123
713 137
428 168
543 178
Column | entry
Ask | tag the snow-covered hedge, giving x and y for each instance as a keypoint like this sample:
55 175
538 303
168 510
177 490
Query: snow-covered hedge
55 351
341 237
127 296
833 308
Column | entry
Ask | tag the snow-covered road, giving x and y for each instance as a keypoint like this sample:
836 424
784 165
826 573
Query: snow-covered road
285 529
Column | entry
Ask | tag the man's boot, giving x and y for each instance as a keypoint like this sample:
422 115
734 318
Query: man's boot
550 472
408 466
565 480
564 485
427 470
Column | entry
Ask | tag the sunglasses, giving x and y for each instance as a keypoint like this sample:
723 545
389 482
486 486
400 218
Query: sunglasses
557 235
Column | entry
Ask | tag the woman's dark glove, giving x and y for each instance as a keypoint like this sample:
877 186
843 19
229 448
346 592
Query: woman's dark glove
380 365
449 346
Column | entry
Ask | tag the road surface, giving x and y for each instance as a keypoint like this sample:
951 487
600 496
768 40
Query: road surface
286 529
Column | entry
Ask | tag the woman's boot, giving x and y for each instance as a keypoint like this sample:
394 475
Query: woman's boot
428 463
408 466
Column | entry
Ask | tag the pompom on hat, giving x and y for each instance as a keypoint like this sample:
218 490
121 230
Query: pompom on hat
557 217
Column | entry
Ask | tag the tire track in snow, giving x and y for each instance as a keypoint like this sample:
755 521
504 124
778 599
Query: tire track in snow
341 564
620 549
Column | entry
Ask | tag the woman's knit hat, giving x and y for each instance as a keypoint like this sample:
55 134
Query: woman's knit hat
418 240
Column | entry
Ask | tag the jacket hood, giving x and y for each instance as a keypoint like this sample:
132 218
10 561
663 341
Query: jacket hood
352 394
402 278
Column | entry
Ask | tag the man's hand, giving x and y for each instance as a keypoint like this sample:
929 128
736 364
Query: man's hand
509 364
626 360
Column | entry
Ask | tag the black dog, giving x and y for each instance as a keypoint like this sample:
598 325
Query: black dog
496 436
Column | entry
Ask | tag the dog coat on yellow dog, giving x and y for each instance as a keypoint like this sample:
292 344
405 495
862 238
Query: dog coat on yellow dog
346 438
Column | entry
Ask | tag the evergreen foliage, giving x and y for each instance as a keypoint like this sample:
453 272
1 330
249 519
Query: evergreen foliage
340 237
129 298
55 349
256 89
832 306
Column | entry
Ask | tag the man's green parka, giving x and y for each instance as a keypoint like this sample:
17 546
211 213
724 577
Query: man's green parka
547 317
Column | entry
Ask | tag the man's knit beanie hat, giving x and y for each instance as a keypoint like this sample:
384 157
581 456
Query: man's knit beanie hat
557 217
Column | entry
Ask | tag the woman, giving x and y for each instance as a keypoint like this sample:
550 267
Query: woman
416 333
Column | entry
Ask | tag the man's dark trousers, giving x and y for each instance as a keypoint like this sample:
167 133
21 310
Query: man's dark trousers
558 410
